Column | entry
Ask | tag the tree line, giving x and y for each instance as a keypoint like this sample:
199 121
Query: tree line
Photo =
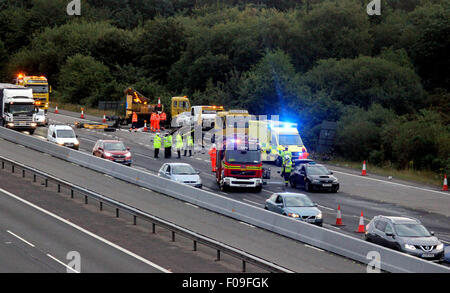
384 79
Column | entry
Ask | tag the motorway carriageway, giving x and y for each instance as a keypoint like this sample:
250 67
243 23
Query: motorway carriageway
373 194
34 240
286 252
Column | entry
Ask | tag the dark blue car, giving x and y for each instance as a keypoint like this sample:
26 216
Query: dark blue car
312 176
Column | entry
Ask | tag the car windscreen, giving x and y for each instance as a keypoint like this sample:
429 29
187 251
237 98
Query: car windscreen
318 170
289 139
114 146
411 230
65 133
41 89
183 170
298 201
20 108
243 157
209 112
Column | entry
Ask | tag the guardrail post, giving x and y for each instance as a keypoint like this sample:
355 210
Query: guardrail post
46 182
71 193
101 206
12 168
85 199
243 266
23 173
3 164
173 236
218 255
117 212
59 188
34 178
134 220
195 245
153 228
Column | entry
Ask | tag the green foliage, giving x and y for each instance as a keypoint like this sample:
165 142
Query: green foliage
384 78
359 133
83 80
366 80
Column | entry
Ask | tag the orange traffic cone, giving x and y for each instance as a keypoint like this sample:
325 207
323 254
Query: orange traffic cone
361 227
56 109
82 114
339 217
364 173
445 187
145 126
104 118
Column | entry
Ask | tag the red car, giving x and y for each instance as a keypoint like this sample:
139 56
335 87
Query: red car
113 150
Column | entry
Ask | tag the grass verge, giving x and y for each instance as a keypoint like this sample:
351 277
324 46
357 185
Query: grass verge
87 110
424 176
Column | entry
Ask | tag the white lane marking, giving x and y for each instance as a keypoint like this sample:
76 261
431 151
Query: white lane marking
198 158
192 205
20 238
327 208
393 183
41 137
61 263
86 231
331 226
146 189
247 224
314 248
106 175
88 139
253 202
136 154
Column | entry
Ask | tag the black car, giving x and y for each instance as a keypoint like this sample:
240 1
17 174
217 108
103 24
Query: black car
406 235
312 176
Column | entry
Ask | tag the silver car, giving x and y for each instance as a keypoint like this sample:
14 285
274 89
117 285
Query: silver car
182 173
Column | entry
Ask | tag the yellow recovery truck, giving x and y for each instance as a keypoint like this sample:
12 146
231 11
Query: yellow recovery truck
40 87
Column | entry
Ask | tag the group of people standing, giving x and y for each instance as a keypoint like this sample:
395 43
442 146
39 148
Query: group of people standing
184 142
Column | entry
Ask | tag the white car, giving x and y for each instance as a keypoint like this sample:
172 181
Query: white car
181 173
63 135
183 119
40 118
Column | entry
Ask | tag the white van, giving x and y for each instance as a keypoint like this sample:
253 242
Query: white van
63 135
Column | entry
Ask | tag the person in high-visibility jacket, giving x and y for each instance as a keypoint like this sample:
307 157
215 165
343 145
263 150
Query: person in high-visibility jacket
157 144
179 144
157 119
162 118
285 153
212 153
152 122
167 146
134 120
188 144
287 169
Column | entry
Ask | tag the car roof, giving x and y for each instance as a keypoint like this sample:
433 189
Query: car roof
401 220
291 194
178 164
61 126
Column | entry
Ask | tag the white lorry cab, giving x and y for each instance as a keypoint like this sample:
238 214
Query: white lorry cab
17 107
205 115
63 135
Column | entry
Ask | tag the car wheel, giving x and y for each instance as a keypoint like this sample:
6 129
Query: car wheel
292 182
334 190
307 186
266 208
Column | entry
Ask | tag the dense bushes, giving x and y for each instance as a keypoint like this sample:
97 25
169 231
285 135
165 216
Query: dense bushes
384 79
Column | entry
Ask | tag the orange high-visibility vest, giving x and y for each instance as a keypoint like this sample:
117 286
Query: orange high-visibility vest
163 116
134 118
212 153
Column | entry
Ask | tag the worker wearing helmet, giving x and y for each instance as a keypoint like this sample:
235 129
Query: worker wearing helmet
157 144
285 153
179 144
286 169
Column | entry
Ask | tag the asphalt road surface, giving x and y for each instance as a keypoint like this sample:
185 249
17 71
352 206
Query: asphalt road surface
372 195
34 241
283 251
